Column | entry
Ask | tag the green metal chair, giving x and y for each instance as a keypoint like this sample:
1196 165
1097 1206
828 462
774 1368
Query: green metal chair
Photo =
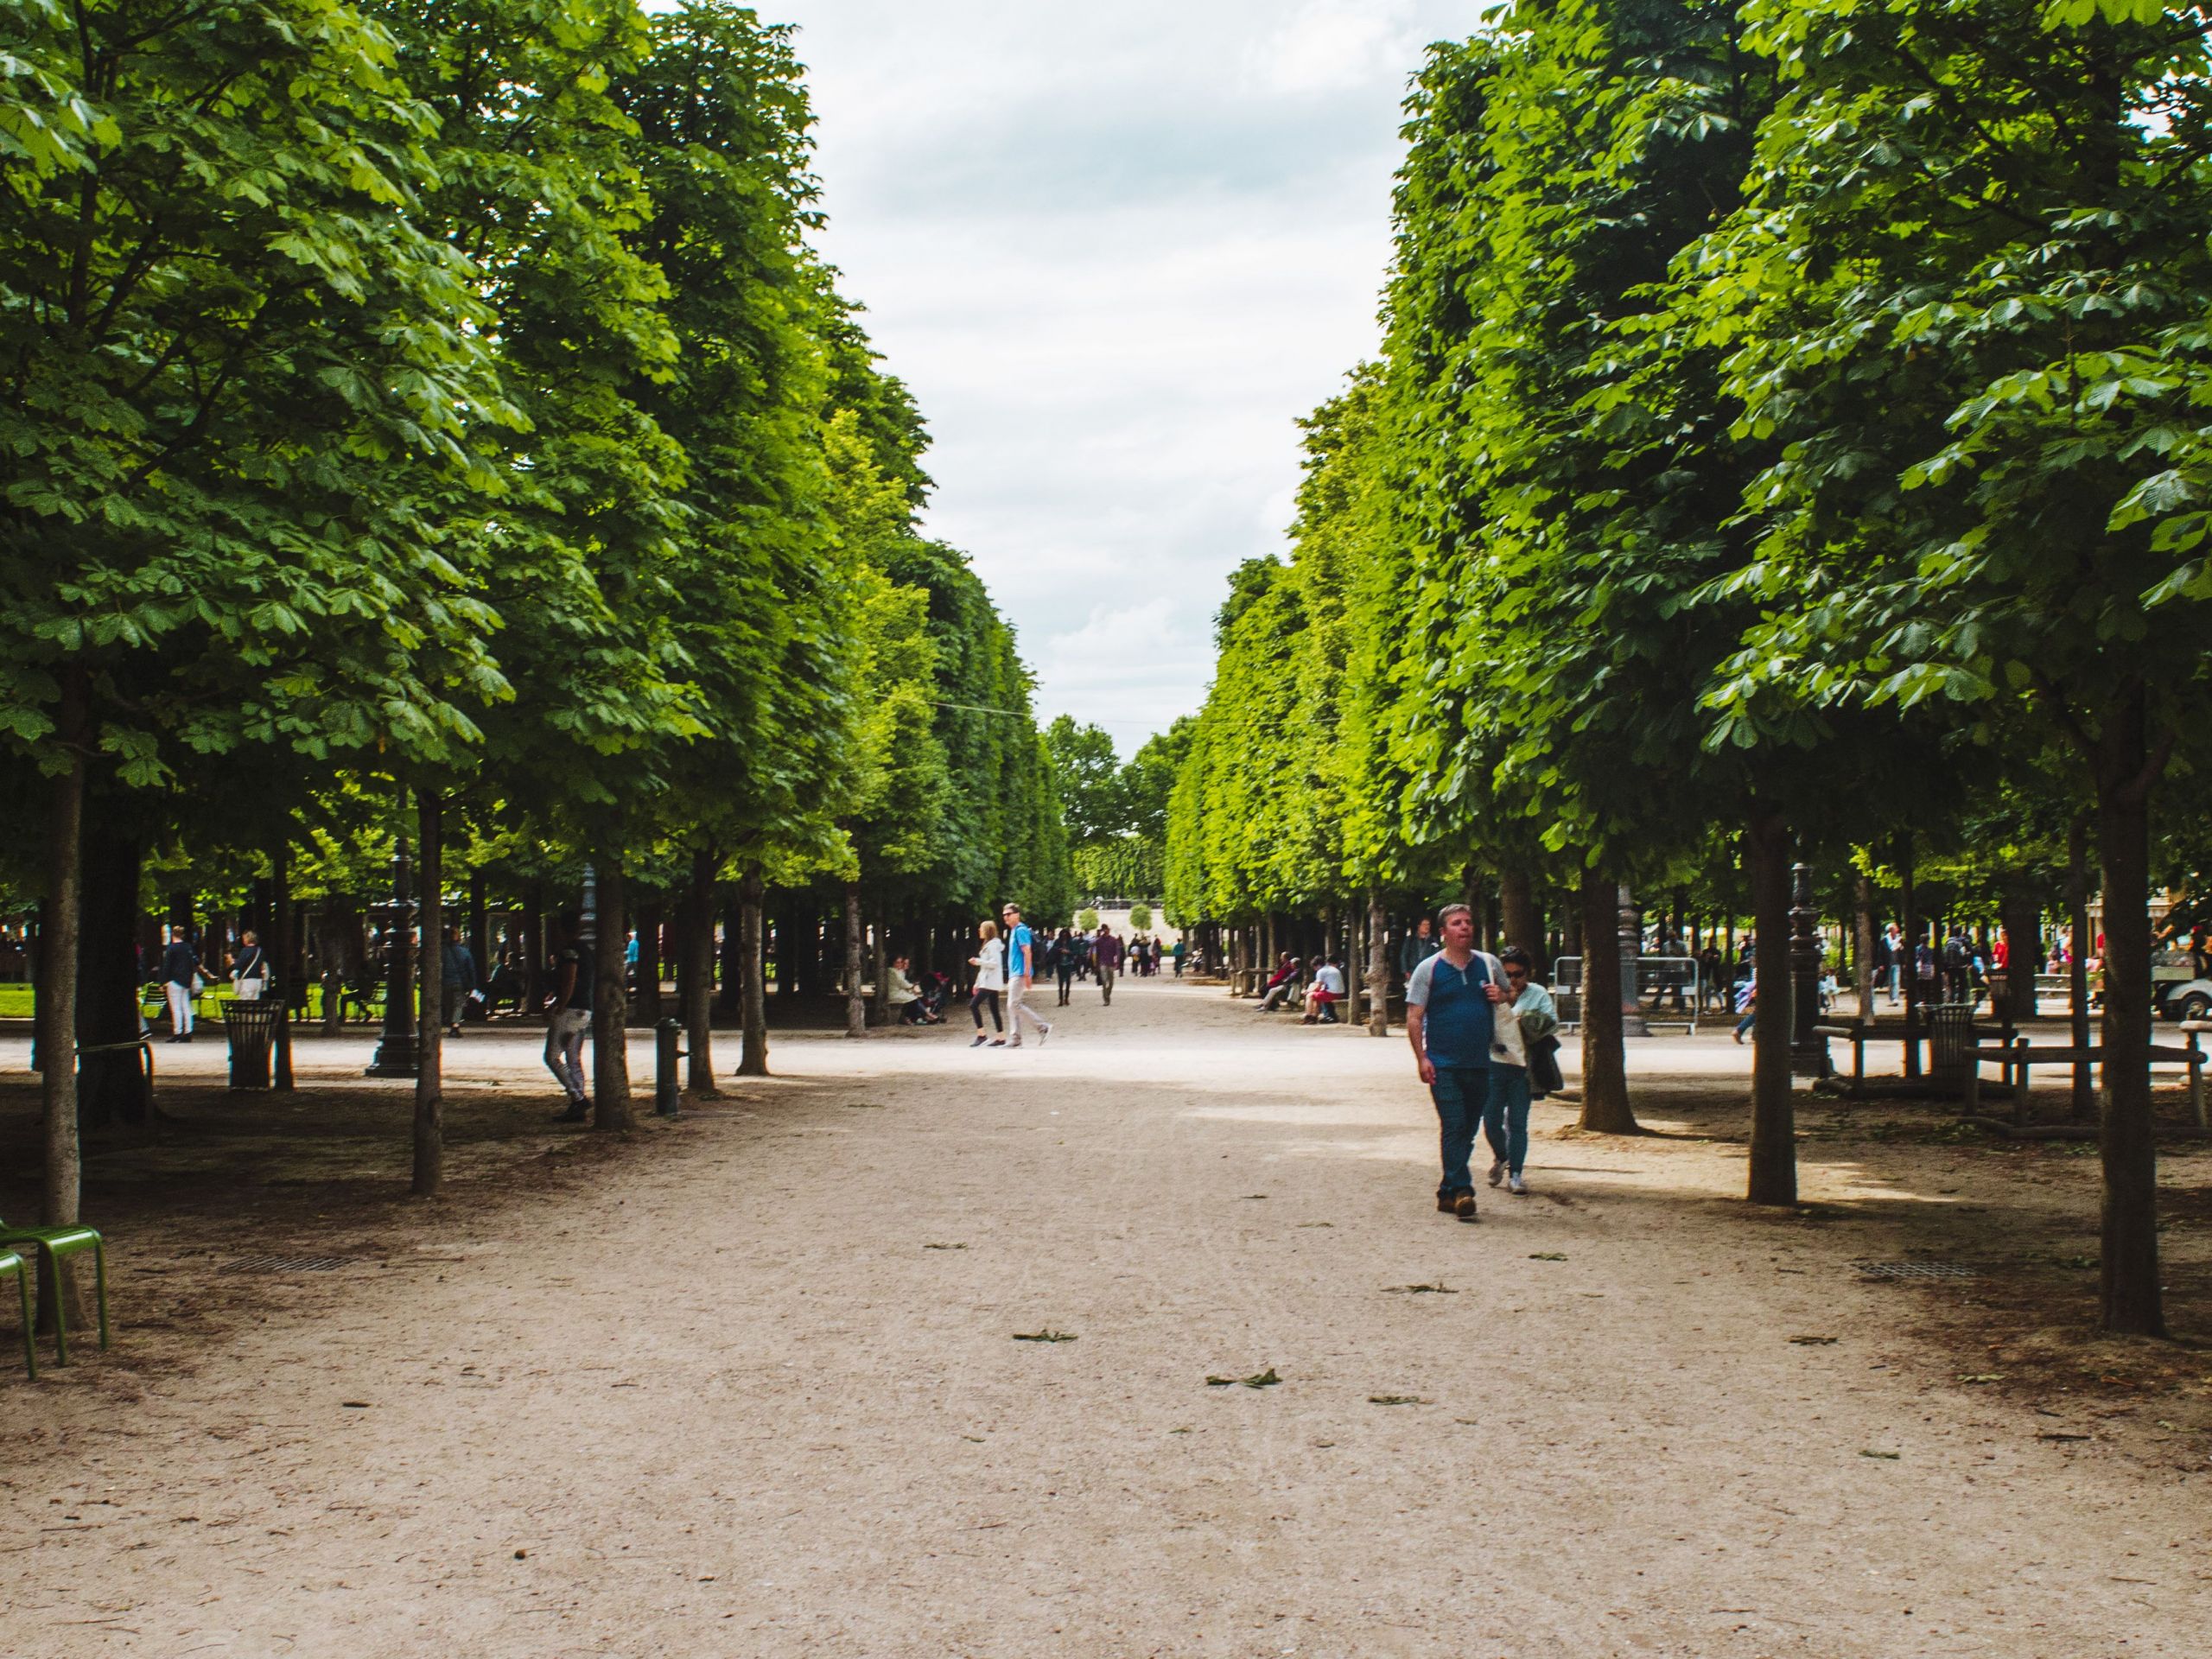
12 1262
57 1244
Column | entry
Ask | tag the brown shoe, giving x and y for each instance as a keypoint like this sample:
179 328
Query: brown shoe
1446 1205
1463 1206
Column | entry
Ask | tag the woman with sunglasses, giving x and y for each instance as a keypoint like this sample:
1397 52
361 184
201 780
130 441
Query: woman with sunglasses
1526 1015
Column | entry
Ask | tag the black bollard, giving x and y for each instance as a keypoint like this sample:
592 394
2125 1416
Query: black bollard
665 1055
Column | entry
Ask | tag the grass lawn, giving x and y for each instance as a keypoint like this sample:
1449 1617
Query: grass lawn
15 1002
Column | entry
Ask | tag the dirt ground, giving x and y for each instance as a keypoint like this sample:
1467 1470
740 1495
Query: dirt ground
750 1382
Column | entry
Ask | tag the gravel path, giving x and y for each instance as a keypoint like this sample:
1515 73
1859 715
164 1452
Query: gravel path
753 1388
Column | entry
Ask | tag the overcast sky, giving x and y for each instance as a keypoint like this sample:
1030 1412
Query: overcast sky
1115 252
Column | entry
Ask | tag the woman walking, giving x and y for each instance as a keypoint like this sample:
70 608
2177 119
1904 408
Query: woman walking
1064 952
989 963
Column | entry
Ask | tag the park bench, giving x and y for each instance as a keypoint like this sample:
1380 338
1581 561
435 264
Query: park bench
55 1246
1858 1033
2017 1056
1949 1041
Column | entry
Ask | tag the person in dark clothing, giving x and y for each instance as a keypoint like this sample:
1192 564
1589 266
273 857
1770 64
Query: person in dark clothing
1065 952
180 979
568 1018
249 967
1418 947
1106 955
458 964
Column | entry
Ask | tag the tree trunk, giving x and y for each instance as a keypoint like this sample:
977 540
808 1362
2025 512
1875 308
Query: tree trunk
62 1186
430 1024
1606 1106
2129 1263
646 1009
113 1085
855 1003
753 969
532 965
2020 915
1909 912
1379 967
1774 1129
878 1010
2077 966
480 930
698 986
1523 927
284 962
1862 942
610 1017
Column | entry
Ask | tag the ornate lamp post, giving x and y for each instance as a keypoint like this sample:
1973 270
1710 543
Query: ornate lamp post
1809 1055
1631 935
395 1054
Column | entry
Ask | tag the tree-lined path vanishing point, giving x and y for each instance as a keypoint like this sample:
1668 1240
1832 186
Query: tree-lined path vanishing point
759 1393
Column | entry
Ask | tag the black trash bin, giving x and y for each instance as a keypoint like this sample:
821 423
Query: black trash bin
1950 1044
252 1027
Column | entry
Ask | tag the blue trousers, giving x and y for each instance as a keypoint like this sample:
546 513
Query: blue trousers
1505 1114
1462 1094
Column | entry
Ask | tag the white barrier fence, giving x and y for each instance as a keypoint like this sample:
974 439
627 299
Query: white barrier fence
1672 991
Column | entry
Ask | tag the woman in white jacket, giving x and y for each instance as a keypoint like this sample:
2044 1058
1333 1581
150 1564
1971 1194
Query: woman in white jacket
989 963
1527 1014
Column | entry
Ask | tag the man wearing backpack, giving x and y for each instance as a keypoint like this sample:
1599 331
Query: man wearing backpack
1958 966
1451 1020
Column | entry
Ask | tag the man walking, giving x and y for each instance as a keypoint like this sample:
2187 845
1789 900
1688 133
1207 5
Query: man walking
568 1020
1418 947
458 965
1451 1022
1021 970
180 968
1106 950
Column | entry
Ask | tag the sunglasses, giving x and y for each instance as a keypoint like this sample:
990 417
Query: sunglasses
1516 973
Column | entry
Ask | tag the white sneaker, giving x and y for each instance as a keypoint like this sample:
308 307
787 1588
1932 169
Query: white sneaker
1515 1186
1497 1171
1043 1032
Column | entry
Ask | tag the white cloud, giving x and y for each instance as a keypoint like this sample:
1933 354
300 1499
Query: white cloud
1116 253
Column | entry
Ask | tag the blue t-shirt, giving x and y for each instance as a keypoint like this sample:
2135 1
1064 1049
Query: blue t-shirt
1458 1021
1017 951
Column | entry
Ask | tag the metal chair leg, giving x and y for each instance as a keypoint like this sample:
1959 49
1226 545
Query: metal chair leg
24 1296
49 1285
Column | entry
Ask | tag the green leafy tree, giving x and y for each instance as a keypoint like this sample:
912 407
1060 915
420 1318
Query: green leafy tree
1968 296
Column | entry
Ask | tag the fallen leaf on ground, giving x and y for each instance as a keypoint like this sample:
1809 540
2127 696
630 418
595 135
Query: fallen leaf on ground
1043 1336
945 1247
2049 1435
1440 1288
1395 1400
1813 1342
1548 1256
1266 1379
1889 1457
1983 1376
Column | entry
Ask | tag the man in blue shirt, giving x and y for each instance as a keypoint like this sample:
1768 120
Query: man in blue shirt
1020 969
1450 1020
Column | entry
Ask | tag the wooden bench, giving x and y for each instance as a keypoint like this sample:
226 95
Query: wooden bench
2017 1057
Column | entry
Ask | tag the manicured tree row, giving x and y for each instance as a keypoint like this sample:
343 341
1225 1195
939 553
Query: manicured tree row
1782 406
431 422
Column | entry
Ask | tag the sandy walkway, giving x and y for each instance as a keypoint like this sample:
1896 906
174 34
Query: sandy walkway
751 1388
